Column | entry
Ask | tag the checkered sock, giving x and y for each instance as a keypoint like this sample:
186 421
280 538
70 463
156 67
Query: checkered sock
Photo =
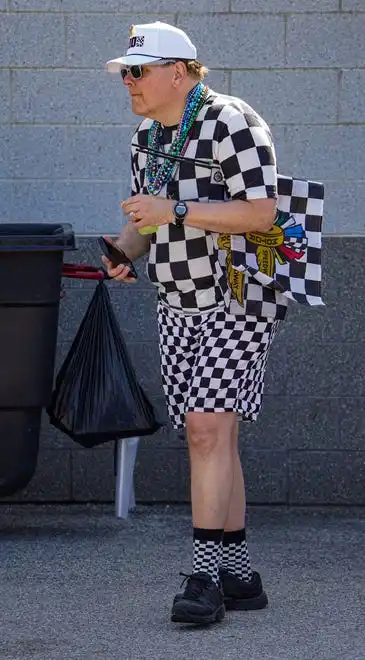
207 552
235 556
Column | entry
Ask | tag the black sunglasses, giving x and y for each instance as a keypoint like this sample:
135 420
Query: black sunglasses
136 70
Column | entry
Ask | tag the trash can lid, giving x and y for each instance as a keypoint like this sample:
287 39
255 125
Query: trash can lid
17 237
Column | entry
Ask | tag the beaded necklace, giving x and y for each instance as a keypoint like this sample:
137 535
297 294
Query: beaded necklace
159 175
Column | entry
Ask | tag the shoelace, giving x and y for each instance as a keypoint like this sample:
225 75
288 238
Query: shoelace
195 585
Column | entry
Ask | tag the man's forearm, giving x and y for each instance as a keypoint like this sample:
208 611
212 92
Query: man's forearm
131 241
233 217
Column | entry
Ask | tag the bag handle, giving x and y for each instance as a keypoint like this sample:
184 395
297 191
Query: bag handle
80 271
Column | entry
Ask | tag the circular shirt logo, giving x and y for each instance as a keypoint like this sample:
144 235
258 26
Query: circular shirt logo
218 177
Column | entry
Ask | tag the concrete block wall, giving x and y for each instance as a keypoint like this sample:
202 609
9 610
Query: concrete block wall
65 127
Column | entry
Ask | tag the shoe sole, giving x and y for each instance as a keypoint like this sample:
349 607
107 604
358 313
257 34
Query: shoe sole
185 617
246 604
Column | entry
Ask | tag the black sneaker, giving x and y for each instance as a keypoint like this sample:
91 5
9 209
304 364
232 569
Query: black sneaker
201 602
242 594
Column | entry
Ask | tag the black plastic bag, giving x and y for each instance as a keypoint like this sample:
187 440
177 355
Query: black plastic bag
97 397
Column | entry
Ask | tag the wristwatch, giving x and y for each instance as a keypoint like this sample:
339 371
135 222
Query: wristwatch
180 213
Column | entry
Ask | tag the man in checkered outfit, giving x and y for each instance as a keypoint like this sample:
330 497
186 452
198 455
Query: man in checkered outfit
214 339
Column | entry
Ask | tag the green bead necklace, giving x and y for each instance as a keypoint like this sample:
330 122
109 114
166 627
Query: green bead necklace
159 175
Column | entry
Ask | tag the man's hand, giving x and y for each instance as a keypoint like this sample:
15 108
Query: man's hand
145 210
120 273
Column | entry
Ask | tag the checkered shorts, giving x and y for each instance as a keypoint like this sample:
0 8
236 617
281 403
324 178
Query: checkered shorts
213 362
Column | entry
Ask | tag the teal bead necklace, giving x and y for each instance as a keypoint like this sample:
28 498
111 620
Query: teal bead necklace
159 175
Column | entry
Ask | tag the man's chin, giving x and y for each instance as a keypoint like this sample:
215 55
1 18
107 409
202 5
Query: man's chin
138 106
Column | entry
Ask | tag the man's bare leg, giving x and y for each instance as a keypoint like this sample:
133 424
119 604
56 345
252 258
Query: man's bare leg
235 557
210 437
237 505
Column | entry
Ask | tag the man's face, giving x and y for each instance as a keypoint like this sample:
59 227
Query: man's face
151 92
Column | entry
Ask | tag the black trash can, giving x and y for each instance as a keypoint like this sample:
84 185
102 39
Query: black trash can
31 258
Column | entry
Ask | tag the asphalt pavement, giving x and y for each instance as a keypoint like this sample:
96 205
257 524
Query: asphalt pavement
79 584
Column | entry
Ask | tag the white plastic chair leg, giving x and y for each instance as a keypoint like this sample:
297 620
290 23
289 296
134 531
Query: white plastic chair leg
132 502
124 489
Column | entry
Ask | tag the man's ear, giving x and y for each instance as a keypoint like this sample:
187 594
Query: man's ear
180 73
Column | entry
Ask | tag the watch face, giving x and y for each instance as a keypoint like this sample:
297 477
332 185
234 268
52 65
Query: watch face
180 209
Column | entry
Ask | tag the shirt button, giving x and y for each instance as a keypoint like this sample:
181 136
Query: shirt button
218 177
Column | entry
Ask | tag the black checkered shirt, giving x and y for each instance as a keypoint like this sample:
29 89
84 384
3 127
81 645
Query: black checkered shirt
184 262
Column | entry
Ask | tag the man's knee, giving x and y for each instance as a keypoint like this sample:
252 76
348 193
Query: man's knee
209 432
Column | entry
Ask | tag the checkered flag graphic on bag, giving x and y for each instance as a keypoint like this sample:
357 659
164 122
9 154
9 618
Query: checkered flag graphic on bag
288 257
298 245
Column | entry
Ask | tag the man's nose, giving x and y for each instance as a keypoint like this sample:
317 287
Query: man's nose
128 79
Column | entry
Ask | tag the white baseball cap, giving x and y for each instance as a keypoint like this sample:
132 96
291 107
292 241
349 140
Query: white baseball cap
152 42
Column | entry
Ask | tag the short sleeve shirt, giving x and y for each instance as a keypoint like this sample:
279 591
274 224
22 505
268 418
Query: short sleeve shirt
235 146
